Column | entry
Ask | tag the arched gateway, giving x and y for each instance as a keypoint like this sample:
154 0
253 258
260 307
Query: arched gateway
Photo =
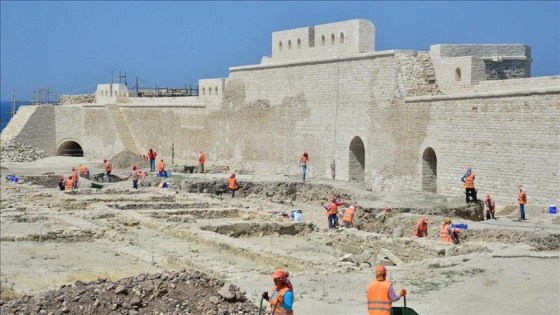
429 170
70 148
356 160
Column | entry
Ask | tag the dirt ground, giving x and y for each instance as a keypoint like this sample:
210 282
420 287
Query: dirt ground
51 238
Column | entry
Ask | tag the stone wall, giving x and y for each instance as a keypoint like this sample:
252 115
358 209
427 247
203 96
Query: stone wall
39 130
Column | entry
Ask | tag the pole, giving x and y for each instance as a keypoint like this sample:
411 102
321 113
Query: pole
47 96
13 103
111 88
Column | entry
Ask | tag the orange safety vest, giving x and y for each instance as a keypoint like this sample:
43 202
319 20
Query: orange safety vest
303 160
108 166
202 159
444 235
333 208
274 301
522 198
160 166
69 184
469 181
349 214
378 298
420 229
232 183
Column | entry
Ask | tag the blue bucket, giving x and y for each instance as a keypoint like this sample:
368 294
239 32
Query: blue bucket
460 226
552 209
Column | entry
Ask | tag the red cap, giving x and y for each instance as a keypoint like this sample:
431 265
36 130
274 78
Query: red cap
279 273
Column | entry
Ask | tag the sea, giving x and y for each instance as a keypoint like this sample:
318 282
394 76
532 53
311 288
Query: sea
6 111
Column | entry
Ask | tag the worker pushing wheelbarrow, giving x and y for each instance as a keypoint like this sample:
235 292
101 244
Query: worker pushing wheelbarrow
381 295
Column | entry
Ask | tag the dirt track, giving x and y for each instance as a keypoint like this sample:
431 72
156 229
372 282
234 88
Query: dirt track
503 266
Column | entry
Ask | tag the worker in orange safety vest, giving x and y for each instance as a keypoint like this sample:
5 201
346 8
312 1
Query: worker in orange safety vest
201 161
232 184
348 217
281 295
333 211
447 233
380 293
470 191
69 183
522 200
421 228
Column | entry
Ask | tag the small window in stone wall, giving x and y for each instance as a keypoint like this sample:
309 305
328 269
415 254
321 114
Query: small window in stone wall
458 74
289 44
298 43
216 90
280 46
209 91
203 91
332 39
323 40
341 38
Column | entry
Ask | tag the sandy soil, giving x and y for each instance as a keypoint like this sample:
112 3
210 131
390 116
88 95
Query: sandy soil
99 237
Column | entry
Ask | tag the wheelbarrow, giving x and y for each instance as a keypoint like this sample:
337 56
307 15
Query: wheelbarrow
95 185
397 310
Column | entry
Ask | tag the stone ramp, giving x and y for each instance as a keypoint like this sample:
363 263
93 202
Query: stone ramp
16 124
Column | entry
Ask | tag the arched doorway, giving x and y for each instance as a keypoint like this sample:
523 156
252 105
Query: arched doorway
429 170
70 148
356 160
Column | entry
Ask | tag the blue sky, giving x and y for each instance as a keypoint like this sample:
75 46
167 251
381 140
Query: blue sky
73 45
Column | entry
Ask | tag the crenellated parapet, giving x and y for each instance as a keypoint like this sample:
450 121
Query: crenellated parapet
323 41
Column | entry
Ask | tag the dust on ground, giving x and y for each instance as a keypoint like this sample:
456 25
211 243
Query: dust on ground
51 238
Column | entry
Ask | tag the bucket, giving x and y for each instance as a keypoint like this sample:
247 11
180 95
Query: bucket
296 215
460 226
552 209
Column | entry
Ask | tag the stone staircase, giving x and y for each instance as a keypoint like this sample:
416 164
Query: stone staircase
429 72
122 128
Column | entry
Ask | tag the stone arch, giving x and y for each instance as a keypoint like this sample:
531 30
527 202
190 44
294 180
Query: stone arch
289 44
341 38
356 160
429 170
298 43
332 39
69 148
323 40
216 90
458 74
280 45
203 91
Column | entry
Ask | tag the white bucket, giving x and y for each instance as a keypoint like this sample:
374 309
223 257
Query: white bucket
297 215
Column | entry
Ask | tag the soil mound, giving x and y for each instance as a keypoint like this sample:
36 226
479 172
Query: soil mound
126 159
182 292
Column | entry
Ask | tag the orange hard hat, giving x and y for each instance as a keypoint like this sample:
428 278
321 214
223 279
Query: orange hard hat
279 273
380 269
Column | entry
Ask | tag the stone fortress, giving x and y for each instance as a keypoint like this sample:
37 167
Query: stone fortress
394 120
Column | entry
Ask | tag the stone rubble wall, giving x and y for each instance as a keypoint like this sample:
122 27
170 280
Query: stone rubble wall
19 152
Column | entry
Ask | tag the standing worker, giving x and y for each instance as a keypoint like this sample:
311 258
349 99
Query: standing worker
490 207
232 184
75 176
108 170
421 228
468 179
152 157
348 217
380 293
135 174
333 211
201 160
303 163
281 296
522 199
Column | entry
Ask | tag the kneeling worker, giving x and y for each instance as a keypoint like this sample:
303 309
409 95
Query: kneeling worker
421 228
381 294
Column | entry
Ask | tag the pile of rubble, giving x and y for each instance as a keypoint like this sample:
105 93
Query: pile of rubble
125 159
182 292
77 99
19 152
